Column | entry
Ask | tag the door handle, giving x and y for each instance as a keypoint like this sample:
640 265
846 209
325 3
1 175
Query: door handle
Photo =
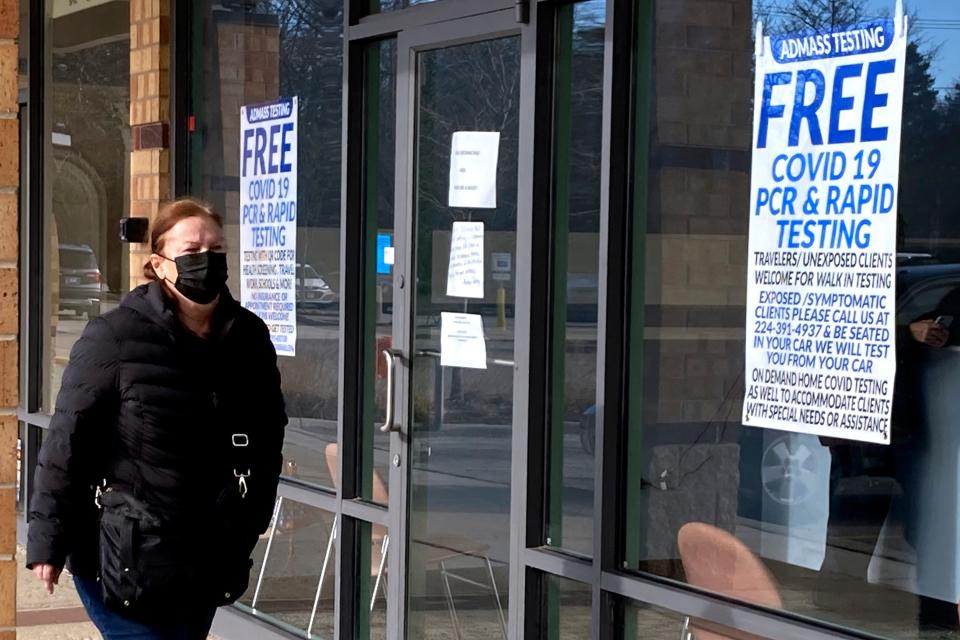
388 423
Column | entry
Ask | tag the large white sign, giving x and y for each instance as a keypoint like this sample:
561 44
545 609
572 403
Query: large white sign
268 217
820 353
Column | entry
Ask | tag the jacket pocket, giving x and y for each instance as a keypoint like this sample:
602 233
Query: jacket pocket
118 573
145 565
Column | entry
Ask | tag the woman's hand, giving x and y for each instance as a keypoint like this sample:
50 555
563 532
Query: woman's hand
929 332
48 574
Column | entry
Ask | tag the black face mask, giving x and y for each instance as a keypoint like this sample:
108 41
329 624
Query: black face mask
200 276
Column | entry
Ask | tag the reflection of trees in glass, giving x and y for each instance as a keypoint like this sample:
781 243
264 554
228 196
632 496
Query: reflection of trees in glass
90 89
473 87
785 16
105 64
586 107
948 160
393 5
468 88
385 59
311 48
919 204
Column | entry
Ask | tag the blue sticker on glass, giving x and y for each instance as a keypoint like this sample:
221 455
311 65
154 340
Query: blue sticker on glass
384 242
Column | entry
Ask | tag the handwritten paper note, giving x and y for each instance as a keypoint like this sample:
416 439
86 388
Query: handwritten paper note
465 271
462 343
473 169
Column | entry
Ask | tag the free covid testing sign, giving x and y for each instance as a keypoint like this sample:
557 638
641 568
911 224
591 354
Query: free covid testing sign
820 352
268 217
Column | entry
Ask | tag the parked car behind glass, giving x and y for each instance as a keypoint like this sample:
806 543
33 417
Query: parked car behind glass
80 281
312 290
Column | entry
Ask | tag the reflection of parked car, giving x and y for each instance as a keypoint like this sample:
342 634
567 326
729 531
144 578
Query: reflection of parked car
912 259
920 288
80 288
312 289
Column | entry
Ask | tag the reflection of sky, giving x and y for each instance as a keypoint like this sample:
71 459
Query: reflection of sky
936 25
590 15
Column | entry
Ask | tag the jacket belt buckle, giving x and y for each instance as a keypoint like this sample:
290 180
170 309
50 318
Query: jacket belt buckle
242 481
240 440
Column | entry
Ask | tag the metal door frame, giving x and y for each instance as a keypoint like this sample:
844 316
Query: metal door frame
409 44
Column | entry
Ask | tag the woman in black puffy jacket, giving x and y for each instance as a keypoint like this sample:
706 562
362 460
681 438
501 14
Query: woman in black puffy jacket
160 468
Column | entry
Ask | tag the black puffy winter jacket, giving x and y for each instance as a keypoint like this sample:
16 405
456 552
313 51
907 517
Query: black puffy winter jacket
148 406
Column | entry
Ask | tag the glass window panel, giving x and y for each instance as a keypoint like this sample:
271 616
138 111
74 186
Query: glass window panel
24 45
576 212
86 174
567 609
372 604
380 147
294 570
250 54
854 534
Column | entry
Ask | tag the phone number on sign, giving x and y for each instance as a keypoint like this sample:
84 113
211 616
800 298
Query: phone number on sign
802 329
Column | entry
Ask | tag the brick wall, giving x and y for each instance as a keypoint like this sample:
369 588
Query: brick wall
149 117
697 241
9 312
248 71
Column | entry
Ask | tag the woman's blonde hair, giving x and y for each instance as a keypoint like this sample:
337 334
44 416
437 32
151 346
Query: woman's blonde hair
169 215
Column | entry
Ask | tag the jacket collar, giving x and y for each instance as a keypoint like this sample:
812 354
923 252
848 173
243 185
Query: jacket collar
150 301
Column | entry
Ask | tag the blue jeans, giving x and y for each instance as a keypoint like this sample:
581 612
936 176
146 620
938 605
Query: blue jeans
186 624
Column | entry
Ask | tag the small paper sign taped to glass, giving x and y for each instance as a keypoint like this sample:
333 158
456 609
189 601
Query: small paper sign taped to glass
473 169
462 343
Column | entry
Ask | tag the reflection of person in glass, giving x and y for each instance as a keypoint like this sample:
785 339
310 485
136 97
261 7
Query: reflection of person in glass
897 487
933 332
926 455
161 465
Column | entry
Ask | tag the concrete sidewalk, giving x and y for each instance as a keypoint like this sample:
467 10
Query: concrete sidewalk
44 617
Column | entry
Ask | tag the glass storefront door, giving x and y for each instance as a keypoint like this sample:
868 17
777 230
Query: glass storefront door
452 254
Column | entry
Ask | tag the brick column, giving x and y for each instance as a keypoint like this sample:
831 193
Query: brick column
149 117
9 313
